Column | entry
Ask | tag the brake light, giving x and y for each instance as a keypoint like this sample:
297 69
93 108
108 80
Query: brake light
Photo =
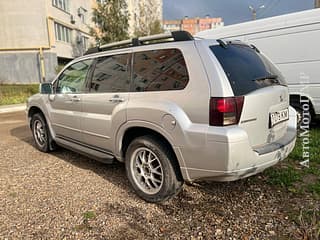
225 111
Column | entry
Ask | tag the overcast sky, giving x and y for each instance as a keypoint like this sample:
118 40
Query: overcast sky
232 11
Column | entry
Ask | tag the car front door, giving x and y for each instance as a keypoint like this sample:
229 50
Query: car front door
104 106
66 102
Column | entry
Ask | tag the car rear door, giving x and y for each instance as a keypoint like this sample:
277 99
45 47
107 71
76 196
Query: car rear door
104 106
265 111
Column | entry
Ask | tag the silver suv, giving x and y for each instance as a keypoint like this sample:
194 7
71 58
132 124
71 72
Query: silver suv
172 108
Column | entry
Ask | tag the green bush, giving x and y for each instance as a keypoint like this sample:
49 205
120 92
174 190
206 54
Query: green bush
16 93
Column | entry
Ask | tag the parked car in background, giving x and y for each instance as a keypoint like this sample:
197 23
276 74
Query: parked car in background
172 111
292 42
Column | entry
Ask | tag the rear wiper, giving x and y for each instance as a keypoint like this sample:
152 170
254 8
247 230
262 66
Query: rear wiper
274 78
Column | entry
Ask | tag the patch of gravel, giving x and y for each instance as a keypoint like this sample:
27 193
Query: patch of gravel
64 195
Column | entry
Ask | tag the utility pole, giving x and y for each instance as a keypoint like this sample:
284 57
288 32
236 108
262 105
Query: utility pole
316 3
254 11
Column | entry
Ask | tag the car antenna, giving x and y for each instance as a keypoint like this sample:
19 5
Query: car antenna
255 48
222 43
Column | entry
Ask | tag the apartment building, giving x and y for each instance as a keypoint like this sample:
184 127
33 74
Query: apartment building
37 35
192 25
172 25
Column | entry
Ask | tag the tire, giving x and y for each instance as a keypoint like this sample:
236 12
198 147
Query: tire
301 114
41 133
151 169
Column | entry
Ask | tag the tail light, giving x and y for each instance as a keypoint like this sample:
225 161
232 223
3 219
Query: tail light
225 111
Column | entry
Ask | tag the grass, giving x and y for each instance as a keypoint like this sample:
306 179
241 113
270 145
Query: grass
89 215
303 182
85 225
294 177
309 224
314 143
16 93
286 177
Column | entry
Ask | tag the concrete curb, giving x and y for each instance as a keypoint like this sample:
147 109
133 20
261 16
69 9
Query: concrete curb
12 108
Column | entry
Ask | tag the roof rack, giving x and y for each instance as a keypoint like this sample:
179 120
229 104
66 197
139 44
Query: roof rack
175 36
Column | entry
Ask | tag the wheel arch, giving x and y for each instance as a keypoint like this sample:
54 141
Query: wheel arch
33 110
36 109
130 133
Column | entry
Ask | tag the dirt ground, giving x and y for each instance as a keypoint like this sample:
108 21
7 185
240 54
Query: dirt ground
64 195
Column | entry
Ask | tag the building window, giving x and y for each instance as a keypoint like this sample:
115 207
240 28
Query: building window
62 4
82 13
85 42
62 33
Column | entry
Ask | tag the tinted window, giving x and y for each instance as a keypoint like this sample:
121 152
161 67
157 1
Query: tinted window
159 70
73 78
246 69
111 74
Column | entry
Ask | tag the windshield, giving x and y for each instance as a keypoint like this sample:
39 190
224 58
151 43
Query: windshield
246 69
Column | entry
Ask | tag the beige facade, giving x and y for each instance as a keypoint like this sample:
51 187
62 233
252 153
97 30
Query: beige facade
44 32
59 26
75 21
23 24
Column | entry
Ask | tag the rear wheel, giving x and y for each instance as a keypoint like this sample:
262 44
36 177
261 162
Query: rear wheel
151 170
303 116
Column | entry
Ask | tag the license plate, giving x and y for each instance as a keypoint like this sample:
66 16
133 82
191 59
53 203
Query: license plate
278 117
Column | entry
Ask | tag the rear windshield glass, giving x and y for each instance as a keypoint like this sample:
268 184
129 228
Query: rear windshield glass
246 69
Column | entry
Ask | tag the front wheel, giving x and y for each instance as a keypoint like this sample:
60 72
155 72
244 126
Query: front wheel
151 170
41 133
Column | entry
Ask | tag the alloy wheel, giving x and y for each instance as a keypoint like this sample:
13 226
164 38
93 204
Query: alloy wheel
146 170
39 133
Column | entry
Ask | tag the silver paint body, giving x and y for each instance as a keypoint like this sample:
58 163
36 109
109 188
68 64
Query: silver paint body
180 116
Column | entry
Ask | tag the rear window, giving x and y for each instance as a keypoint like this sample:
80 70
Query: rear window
246 69
159 70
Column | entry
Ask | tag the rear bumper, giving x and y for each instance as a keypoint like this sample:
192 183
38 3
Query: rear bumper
279 144
234 158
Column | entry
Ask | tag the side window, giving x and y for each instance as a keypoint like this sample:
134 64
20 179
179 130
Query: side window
159 70
111 74
73 78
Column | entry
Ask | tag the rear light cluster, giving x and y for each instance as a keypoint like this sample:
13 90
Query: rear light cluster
225 111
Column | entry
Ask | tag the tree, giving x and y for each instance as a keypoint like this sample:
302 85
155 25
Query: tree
148 22
111 21
155 27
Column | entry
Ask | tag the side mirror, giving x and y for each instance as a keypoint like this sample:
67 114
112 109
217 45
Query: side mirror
46 88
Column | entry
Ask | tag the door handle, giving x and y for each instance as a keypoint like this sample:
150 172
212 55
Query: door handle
51 97
116 99
75 99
